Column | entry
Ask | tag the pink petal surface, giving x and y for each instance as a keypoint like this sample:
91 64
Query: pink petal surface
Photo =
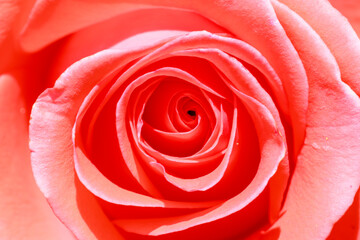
348 226
147 27
70 201
12 18
25 214
337 34
351 10
326 176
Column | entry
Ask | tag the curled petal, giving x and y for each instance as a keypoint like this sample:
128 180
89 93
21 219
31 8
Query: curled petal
25 214
331 145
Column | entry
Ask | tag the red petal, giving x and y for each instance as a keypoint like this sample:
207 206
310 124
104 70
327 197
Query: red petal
351 10
13 16
327 174
25 214
52 150
348 226
130 30
337 34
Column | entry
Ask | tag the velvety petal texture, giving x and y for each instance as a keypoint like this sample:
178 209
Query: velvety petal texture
179 119
348 225
325 122
351 10
25 214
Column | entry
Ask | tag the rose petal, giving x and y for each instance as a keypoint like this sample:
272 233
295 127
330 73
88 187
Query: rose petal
8 16
138 28
350 9
337 34
108 191
326 176
49 20
53 166
348 227
25 214
13 15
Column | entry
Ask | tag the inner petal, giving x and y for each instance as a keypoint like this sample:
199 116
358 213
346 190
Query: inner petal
157 115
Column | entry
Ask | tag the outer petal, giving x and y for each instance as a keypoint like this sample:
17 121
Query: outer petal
336 33
348 227
12 16
9 11
327 174
351 10
25 214
51 20
54 168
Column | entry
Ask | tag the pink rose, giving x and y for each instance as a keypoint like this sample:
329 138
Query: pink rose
179 119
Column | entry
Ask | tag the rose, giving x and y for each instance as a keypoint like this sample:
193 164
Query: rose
315 145
284 227
324 151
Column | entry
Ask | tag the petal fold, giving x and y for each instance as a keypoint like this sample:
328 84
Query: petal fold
327 173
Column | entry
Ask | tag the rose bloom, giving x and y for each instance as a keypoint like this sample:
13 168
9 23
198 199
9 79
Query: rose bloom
156 119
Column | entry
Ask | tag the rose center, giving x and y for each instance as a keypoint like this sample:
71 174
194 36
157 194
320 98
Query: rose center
176 118
191 113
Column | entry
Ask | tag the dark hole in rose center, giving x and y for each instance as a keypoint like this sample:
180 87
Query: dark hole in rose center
191 113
